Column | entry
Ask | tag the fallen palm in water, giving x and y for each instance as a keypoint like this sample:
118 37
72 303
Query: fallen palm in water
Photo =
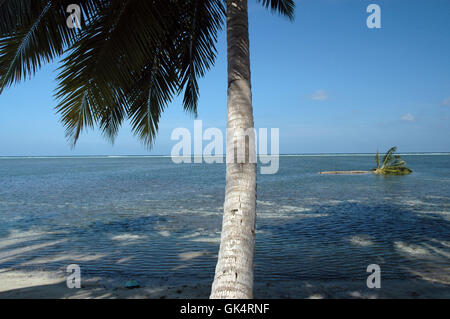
391 165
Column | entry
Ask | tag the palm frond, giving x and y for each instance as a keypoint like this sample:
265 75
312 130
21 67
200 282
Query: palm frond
109 60
15 13
377 159
396 171
391 164
397 162
127 62
15 58
149 97
387 158
200 26
284 7
33 35
82 71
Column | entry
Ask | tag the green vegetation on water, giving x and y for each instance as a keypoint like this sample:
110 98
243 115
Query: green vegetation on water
391 164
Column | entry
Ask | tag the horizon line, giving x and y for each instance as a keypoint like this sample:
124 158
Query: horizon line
201 155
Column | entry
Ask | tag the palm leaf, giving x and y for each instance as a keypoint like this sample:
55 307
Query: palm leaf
124 54
392 164
15 62
397 162
396 171
377 159
201 23
284 7
15 13
149 97
388 157
127 62
33 35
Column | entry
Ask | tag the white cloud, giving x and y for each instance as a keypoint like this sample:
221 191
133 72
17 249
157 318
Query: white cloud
446 101
407 117
320 95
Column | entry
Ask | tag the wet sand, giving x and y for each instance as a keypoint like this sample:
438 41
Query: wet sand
44 285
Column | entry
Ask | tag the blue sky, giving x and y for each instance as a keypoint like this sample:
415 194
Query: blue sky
327 81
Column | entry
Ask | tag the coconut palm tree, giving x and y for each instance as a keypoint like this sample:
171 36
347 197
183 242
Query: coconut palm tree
127 62
391 164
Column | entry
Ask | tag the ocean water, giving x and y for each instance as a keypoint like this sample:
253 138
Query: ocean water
149 219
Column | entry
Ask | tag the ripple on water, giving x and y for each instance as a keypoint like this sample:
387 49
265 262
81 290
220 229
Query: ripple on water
162 221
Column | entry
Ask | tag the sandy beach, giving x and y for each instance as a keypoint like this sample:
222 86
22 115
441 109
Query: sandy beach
52 285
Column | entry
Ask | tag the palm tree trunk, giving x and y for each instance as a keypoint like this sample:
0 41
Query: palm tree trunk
234 270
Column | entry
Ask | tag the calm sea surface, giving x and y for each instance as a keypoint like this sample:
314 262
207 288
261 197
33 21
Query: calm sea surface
148 218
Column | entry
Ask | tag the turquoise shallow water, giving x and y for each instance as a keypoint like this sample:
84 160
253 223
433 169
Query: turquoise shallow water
148 218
